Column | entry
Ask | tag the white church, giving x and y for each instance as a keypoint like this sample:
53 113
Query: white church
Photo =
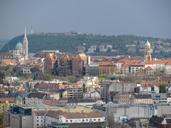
21 49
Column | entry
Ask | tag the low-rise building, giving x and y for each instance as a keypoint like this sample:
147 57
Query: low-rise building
142 99
168 68
6 56
23 69
74 93
106 68
39 118
135 68
92 69
124 98
60 119
35 98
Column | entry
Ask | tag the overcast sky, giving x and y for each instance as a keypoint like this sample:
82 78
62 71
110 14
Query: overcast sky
109 17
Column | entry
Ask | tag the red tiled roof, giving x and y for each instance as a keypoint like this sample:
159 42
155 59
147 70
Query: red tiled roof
159 62
106 63
168 63
137 65
9 61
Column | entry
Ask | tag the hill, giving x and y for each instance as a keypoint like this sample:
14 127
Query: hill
3 42
69 42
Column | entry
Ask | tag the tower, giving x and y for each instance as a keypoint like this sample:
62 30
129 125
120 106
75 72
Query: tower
147 51
25 46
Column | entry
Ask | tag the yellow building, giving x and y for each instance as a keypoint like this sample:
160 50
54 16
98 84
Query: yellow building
106 68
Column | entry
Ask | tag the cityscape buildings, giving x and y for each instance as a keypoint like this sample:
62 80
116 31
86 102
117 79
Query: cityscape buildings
55 89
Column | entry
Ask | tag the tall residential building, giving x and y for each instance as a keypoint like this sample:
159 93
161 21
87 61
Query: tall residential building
21 117
71 64
147 51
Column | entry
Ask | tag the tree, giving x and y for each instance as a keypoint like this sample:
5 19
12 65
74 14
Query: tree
2 76
72 79
162 89
1 119
48 77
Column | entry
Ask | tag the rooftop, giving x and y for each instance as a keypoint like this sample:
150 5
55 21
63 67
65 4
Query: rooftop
73 115
37 95
142 96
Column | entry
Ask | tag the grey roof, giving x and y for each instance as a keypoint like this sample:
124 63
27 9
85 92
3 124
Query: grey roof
142 96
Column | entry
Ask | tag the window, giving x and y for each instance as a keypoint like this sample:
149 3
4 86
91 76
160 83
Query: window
99 120
70 120
66 120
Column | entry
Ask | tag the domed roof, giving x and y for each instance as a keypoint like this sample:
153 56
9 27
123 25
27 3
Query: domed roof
147 44
19 46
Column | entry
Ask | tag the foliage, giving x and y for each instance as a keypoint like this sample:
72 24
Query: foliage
2 76
34 70
48 77
66 42
101 78
8 70
1 118
72 79
162 89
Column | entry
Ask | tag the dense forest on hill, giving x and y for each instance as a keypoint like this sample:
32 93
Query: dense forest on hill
68 42
3 42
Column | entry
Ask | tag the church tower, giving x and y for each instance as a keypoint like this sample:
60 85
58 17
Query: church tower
147 51
25 46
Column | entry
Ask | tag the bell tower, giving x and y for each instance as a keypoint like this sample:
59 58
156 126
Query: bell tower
147 51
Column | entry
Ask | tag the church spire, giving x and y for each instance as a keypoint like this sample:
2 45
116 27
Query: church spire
25 33
25 44
147 51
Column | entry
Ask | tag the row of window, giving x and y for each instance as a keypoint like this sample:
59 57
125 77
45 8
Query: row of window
84 120
6 57
39 120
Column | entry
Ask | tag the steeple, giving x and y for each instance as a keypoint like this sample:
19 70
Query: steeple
25 33
25 45
147 51
147 44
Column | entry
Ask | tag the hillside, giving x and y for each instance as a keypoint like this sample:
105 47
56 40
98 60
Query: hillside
69 42
3 42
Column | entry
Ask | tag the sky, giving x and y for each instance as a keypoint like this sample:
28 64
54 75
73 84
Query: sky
106 17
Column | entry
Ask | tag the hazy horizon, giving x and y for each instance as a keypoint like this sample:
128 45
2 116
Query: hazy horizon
113 17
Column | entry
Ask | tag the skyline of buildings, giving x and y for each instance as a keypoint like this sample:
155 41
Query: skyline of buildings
53 89
85 64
